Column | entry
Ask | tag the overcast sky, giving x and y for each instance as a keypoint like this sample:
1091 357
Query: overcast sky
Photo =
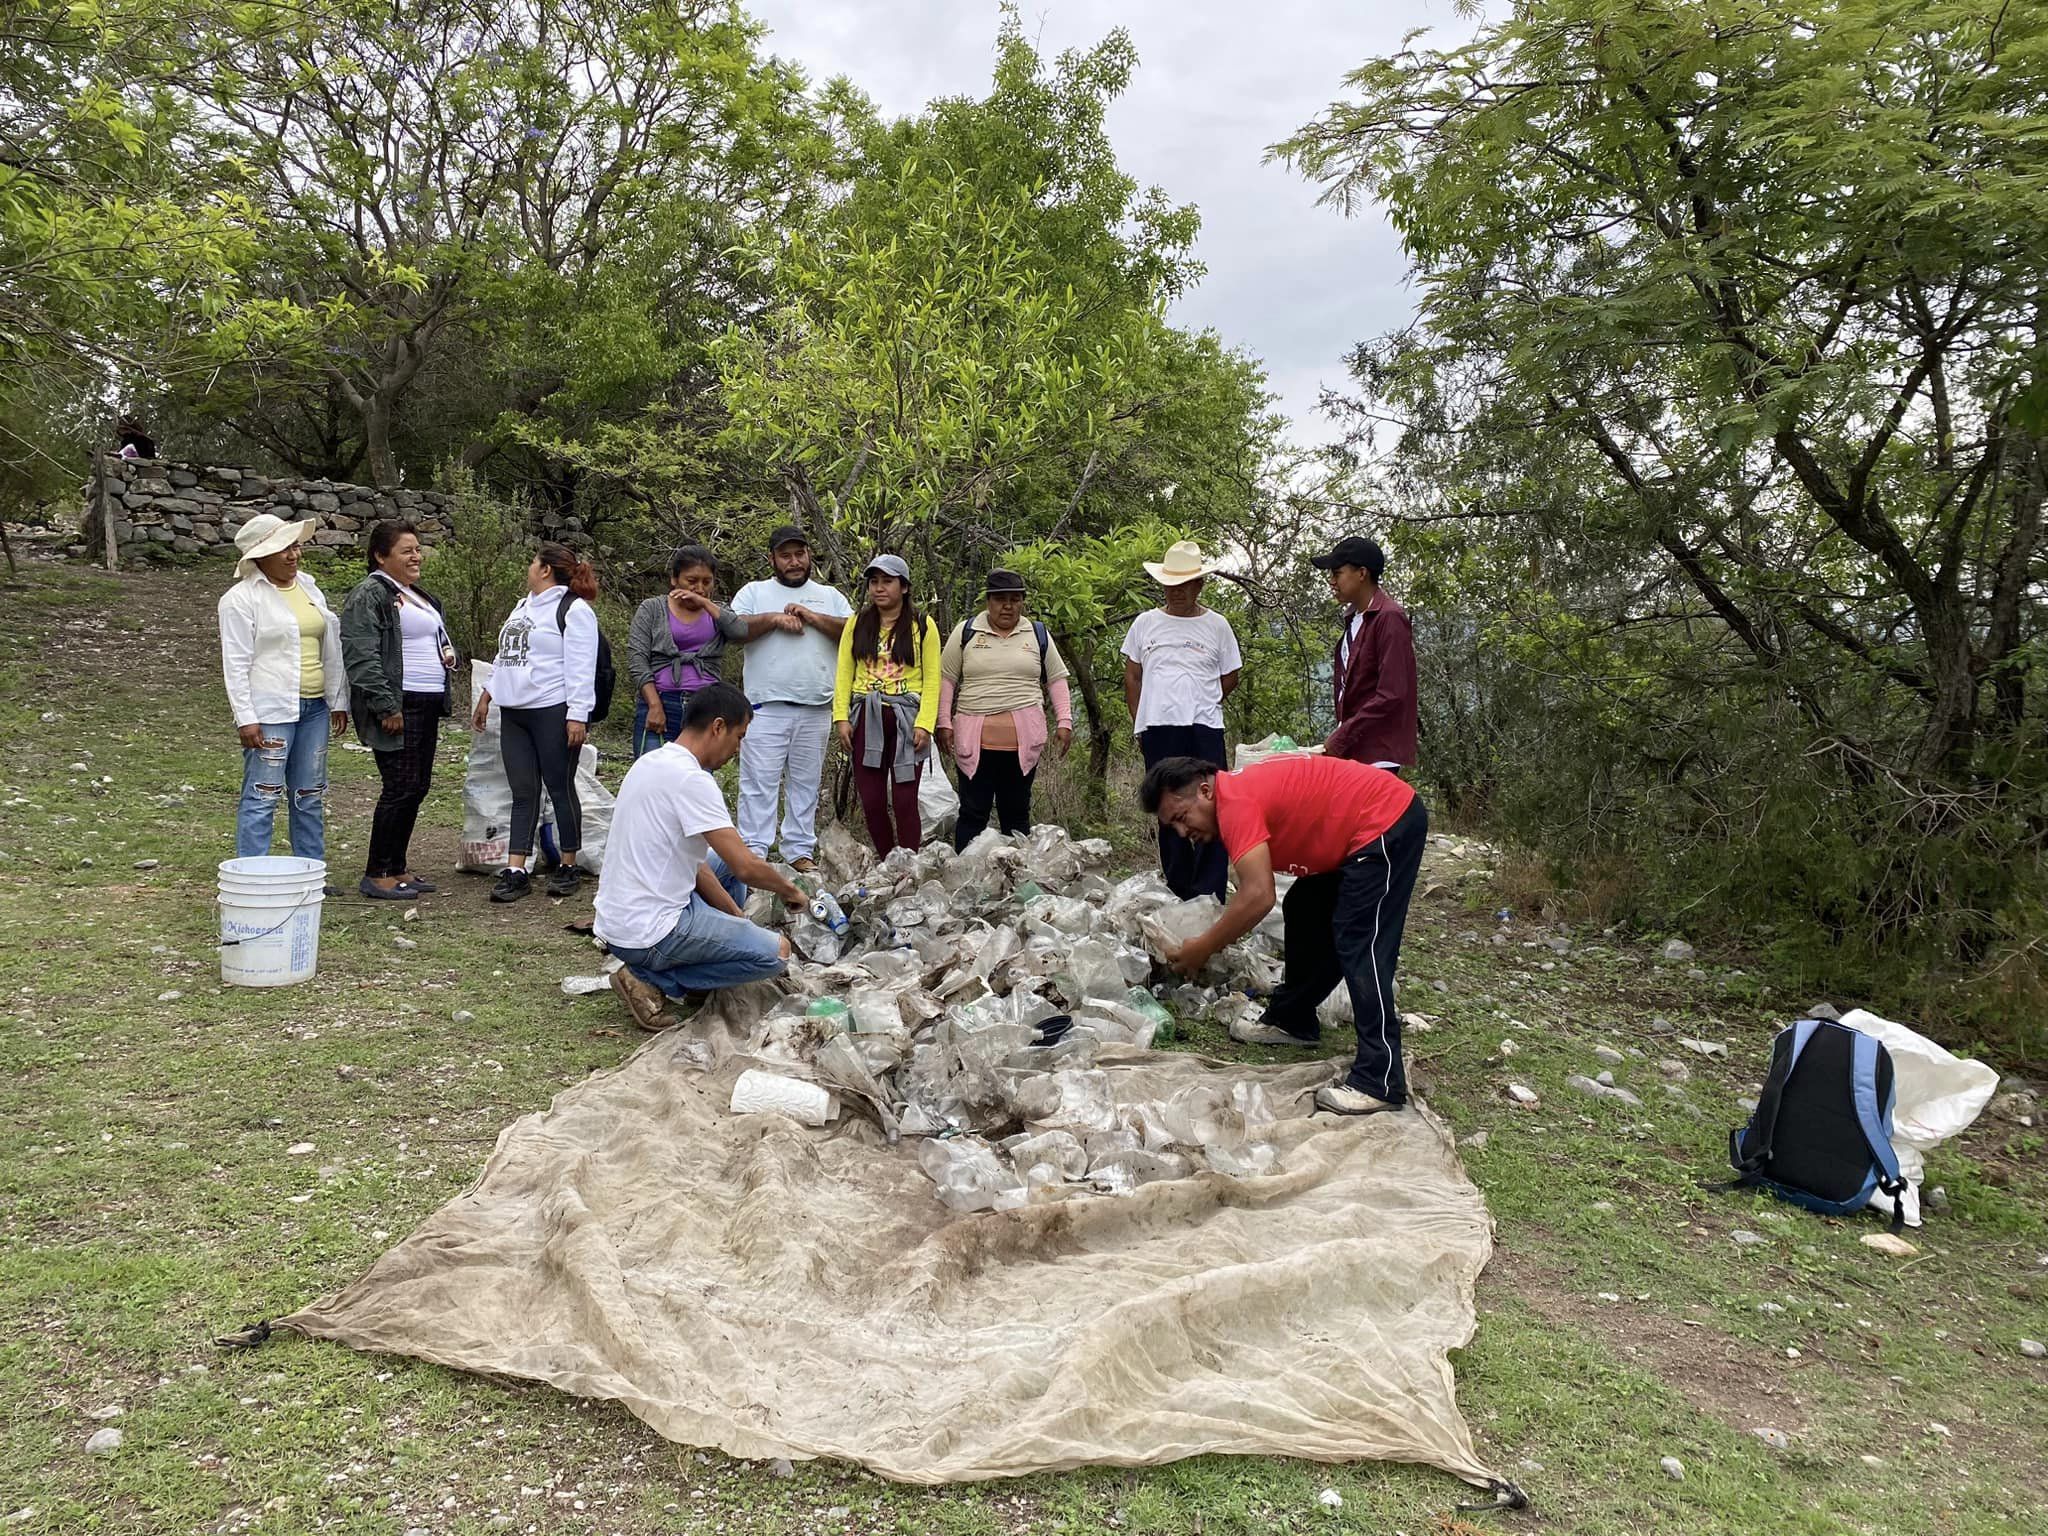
1292 283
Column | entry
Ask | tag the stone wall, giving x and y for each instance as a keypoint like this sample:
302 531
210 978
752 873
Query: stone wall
164 507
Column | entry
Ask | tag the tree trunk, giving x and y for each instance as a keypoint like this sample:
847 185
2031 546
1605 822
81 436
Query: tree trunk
376 409
1081 669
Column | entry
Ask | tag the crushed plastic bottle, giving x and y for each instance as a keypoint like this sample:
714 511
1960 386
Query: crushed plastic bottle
825 909
831 1015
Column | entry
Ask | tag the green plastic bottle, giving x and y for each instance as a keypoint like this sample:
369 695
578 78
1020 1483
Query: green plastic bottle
1284 744
1144 1002
832 1016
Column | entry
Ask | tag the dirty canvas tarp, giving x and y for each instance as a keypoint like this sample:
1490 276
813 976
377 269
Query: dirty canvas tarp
741 1282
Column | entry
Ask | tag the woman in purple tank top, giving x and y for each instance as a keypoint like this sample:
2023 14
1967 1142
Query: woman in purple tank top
673 647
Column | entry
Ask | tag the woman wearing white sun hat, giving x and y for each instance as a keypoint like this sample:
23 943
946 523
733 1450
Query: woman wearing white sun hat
280 656
1180 663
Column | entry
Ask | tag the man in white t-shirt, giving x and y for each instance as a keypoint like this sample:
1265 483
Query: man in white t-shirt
1180 663
676 873
793 625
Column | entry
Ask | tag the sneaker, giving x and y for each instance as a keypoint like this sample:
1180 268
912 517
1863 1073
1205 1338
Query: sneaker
513 885
1246 1032
565 881
646 1003
1340 1098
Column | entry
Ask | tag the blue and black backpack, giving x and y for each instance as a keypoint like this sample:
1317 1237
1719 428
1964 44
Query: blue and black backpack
1821 1136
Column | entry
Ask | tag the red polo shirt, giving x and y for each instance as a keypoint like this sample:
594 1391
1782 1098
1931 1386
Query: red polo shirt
1315 811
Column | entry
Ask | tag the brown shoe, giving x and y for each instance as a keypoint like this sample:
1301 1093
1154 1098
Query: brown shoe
647 1005
804 866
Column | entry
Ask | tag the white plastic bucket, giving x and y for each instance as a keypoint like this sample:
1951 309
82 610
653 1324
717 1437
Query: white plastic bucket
270 920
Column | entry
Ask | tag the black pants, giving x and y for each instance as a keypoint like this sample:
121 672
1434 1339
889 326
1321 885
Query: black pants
998 784
1191 869
535 744
1346 926
408 773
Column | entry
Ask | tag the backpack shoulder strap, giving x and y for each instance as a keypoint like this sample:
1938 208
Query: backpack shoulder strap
1044 644
562 613
1873 1116
1765 1121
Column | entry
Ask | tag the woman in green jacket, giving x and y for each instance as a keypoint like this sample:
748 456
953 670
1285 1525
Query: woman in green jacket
399 661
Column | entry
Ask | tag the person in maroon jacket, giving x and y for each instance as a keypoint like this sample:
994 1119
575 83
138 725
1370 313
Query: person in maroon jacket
1373 669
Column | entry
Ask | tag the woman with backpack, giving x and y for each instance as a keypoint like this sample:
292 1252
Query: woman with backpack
545 684
996 673
886 700
672 650
399 659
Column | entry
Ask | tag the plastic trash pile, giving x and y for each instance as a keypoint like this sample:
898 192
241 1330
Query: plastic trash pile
966 999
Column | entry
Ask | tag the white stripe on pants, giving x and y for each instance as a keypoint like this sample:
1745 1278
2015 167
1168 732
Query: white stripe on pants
783 756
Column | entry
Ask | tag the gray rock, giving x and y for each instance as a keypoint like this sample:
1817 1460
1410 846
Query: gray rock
1604 1079
1609 1054
1561 944
464 1016
1937 1199
1673 1468
1676 951
1776 1439
1769 1308
1580 1083
1742 1237
1660 1026
185 544
1677 1071
1746 1104
1476 1141
782 1468
104 1442
2034 1349
1823 1011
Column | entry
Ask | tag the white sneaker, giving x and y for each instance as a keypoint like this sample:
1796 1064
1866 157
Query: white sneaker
1340 1098
1247 1032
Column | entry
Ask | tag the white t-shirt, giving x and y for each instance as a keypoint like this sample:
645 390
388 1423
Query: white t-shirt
790 669
420 629
667 802
1184 662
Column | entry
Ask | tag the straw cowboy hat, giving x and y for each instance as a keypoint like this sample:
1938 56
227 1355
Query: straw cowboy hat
267 534
1184 562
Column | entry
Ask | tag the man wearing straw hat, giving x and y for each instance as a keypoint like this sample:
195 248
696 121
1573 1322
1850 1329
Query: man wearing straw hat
1180 663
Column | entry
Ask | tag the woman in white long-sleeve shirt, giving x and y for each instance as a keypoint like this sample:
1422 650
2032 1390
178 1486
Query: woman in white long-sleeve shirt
545 684
280 657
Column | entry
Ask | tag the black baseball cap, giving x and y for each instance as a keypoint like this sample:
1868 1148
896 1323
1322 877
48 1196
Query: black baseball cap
1004 581
788 533
1363 553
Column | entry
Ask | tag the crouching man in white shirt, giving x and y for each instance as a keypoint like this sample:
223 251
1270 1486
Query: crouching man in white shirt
676 873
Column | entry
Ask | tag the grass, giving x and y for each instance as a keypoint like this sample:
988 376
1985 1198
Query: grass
151 1202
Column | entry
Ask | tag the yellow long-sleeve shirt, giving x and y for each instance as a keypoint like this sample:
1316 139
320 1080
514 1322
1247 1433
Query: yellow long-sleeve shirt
882 675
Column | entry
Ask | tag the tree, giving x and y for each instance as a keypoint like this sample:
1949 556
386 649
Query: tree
1722 419
1773 277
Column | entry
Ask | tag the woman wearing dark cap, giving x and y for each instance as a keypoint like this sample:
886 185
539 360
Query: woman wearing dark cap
995 676
886 700
398 655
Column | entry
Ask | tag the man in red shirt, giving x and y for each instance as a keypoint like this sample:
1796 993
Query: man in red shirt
1373 667
1352 835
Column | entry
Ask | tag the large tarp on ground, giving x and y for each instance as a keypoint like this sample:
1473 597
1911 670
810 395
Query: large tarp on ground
747 1283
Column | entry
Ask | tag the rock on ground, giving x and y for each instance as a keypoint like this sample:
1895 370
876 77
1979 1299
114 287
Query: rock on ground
1673 1468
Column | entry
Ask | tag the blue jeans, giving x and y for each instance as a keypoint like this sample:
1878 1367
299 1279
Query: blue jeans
709 949
292 761
672 705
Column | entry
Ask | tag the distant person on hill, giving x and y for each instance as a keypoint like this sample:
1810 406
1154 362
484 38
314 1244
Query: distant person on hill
1353 837
794 622
399 660
134 441
676 874
673 647
545 682
1180 663
280 656
995 675
886 701
1373 668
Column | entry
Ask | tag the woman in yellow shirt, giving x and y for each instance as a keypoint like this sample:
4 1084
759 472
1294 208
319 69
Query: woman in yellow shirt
886 700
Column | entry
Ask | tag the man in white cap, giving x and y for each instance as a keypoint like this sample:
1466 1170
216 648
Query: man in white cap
1180 663
280 656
